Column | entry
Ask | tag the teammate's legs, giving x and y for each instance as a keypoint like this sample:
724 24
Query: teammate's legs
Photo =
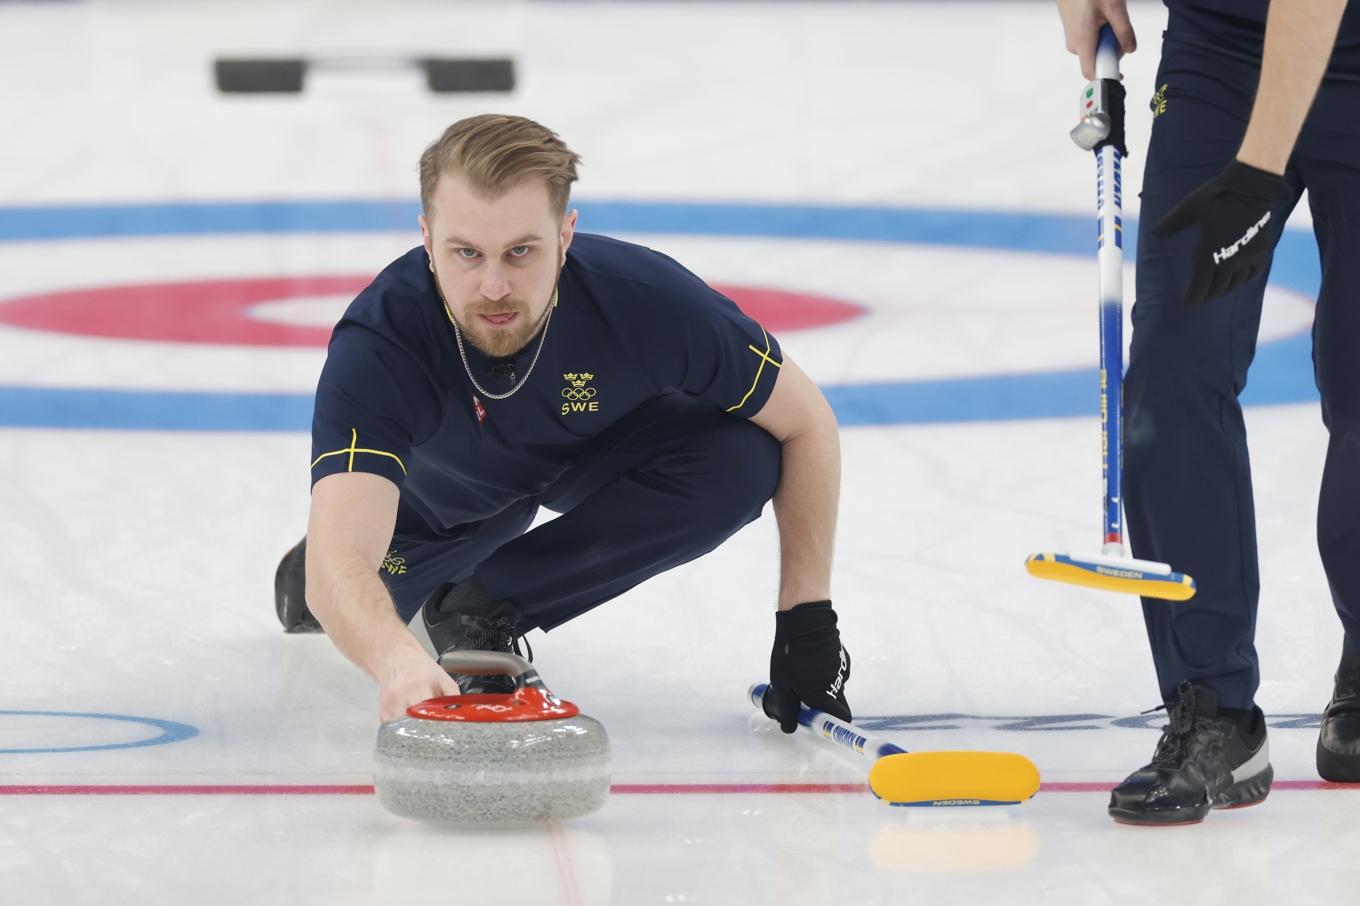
1187 484
1188 480
1328 156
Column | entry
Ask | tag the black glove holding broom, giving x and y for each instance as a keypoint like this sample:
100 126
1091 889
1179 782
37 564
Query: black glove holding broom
808 665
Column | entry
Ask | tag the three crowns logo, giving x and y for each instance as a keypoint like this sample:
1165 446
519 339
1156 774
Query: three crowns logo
578 395
394 564
1158 102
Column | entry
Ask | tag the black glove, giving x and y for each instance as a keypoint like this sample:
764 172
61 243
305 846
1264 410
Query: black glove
808 664
1236 235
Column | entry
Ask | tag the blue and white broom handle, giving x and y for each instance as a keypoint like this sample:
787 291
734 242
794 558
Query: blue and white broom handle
1110 252
845 735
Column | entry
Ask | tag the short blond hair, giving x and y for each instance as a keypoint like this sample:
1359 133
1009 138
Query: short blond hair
494 152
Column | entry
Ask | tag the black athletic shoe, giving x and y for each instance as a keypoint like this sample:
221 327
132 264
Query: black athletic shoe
1203 761
289 584
1338 746
465 617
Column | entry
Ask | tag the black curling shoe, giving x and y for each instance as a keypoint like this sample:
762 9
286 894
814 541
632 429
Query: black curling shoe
1203 761
1338 746
464 617
290 581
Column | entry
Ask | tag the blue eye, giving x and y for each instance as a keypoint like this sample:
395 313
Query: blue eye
520 251
467 254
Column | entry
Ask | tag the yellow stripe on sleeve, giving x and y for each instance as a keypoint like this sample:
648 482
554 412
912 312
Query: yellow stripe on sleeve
354 449
764 358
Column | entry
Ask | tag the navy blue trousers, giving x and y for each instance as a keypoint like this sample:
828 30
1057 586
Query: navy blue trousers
1188 493
670 482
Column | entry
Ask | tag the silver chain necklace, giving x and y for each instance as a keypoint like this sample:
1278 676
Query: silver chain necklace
462 353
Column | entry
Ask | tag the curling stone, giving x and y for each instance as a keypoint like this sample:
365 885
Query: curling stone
482 761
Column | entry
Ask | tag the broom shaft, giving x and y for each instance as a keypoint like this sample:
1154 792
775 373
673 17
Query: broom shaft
842 733
1110 253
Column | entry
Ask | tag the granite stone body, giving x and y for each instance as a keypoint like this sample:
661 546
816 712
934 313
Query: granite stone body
492 774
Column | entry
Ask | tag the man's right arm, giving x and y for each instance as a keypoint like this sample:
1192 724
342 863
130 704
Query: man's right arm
352 518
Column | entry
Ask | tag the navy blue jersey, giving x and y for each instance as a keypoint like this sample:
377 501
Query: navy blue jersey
630 325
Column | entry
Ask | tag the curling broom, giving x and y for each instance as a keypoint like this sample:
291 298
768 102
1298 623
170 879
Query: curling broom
899 777
1102 130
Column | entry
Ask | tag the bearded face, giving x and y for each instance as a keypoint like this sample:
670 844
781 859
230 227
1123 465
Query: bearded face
499 327
496 259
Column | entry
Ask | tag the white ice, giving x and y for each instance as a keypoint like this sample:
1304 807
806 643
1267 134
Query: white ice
136 566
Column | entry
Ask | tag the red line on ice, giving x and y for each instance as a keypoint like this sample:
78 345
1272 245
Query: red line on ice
295 789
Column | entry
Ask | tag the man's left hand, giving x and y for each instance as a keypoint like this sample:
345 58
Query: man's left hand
1236 232
808 664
